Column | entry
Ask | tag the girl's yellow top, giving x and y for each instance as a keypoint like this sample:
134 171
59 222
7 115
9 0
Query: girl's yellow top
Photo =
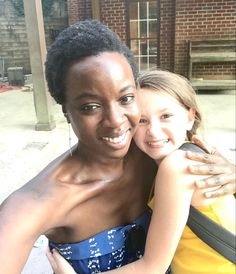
193 256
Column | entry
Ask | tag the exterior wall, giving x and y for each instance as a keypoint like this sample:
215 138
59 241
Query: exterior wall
73 11
14 44
180 21
113 14
201 19
79 10
167 34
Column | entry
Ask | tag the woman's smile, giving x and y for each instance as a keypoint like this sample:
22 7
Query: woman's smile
117 139
103 109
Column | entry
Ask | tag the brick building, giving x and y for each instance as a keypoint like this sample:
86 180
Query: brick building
158 30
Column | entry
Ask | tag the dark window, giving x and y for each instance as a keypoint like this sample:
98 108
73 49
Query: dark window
143 22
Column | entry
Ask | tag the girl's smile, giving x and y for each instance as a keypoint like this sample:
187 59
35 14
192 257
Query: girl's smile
163 124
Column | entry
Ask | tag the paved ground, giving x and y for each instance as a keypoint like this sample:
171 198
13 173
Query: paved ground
24 151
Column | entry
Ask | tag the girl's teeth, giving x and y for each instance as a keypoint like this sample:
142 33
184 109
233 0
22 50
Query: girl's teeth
158 142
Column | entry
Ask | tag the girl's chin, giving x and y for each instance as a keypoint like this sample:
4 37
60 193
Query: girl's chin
160 155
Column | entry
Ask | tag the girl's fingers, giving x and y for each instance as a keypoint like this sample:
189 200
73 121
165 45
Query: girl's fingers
51 259
58 263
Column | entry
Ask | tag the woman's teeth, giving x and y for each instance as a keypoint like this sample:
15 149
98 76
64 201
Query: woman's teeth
115 140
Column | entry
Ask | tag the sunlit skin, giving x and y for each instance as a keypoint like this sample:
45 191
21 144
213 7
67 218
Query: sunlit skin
163 124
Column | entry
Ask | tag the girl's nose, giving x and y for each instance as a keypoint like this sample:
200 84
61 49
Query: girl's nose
154 128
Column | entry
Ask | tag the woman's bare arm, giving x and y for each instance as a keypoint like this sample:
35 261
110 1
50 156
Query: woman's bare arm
22 221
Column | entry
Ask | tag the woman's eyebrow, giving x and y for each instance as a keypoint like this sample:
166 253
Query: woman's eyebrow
127 87
86 95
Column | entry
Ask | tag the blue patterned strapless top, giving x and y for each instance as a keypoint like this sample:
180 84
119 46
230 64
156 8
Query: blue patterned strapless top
109 249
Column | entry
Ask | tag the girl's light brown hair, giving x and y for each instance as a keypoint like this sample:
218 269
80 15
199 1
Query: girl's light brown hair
177 87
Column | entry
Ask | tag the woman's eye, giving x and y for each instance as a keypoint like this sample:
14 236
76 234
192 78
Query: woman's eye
127 99
89 107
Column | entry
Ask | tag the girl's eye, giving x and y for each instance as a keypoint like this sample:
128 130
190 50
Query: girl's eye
166 115
127 99
89 107
142 121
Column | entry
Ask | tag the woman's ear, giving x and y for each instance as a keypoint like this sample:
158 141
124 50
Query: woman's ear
65 114
191 118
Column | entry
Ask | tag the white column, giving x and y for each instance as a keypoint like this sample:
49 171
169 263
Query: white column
37 49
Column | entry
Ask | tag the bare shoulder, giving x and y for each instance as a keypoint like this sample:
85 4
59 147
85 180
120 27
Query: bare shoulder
26 206
25 215
37 201
175 161
175 166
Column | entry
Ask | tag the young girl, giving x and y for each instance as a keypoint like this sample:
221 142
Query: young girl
170 116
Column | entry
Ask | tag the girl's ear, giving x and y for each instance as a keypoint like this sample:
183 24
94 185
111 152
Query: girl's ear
65 114
191 118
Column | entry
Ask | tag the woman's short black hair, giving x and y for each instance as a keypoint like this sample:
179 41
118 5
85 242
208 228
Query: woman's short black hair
83 39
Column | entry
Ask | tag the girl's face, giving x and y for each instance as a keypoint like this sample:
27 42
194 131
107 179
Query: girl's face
101 103
163 124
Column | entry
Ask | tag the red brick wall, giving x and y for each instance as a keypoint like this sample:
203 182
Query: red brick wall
167 35
214 71
113 15
201 19
73 11
79 10
180 21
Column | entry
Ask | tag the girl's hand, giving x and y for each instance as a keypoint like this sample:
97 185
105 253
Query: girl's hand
58 263
215 164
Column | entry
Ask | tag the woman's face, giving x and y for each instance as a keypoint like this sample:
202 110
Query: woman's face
163 125
101 103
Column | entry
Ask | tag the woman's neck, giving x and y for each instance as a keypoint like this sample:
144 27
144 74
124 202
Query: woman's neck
91 158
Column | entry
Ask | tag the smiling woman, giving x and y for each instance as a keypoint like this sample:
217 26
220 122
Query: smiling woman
91 74
103 110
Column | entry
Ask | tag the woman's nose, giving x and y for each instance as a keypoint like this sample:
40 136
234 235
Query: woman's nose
114 117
